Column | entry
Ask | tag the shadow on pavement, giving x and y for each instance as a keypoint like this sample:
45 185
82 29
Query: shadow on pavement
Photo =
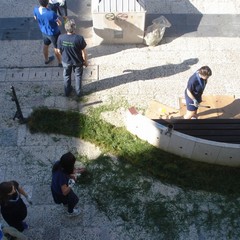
131 75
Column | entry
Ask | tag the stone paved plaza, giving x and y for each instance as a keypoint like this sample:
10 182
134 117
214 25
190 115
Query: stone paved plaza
202 33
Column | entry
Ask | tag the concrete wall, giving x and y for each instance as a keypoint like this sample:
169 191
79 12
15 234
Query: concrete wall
182 144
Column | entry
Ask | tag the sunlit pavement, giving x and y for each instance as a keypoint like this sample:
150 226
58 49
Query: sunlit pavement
205 33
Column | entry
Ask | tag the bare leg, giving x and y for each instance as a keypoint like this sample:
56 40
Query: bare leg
58 55
65 19
45 52
190 114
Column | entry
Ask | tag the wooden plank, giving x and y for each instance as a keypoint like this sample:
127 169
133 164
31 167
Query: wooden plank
209 132
220 130
202 123
157 110
221 123
221 107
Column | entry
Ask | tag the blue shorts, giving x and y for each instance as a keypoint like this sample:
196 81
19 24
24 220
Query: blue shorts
189 101
47 39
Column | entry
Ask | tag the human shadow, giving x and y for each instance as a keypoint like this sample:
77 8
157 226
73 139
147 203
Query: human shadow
231 110
131 75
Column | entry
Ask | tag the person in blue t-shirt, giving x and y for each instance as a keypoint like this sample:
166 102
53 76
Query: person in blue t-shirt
63 179
72 47
49 23
193 93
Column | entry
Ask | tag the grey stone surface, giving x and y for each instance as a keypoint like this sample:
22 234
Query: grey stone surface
203 33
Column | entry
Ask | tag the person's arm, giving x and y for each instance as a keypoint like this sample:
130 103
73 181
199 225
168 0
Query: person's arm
59 45
65 189
85 59
61 2
21 191
190 94
58 21
34 15
195 102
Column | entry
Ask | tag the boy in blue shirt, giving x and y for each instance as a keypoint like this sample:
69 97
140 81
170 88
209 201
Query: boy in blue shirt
49 23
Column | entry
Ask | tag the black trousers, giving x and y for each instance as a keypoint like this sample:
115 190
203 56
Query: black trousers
71 199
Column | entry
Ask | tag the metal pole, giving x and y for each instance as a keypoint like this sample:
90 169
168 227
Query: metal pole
18 113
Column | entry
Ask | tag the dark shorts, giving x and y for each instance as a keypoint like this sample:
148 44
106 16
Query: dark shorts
189 101
54 7
61 10
50 39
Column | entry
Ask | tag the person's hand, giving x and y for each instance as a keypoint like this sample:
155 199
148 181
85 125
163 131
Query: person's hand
85 63
80 170
71 183
73 176
195 103
61 2
29 200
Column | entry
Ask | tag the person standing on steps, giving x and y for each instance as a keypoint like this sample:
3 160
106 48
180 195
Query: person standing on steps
72 47
193 93
13 209
49 23
59 7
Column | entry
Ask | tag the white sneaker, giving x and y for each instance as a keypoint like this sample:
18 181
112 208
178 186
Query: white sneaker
75 213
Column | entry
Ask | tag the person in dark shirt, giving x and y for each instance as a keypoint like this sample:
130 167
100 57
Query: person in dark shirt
72 47
13 209
59 7
63 179
193 93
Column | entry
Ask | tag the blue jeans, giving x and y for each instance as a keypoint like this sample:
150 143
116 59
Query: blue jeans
67 72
